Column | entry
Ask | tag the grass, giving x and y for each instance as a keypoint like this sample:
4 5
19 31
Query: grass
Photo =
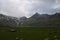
30 34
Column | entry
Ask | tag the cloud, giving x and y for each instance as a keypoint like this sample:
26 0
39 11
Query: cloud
27 8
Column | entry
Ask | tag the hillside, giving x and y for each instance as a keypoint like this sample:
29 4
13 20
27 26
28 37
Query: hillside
43 20
36 20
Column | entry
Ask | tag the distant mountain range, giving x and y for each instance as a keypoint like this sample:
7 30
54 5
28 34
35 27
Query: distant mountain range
37 20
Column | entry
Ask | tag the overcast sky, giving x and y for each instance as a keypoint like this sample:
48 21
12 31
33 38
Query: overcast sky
27 8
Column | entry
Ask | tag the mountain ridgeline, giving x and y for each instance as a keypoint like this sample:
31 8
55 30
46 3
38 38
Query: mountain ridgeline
37 20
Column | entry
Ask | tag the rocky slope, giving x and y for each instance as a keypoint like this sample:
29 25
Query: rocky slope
8 21
37 20
43 20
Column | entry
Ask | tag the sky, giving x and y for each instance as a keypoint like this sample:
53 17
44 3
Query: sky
19 8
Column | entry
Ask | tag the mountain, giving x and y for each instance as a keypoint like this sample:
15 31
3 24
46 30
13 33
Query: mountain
36 20
43 20
8 20
57 15
23 21
36 15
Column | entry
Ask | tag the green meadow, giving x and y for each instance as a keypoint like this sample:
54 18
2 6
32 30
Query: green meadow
29 34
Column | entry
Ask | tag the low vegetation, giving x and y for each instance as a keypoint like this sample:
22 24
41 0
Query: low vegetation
29 34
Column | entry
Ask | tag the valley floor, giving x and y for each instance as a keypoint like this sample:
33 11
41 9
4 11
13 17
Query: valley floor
29 34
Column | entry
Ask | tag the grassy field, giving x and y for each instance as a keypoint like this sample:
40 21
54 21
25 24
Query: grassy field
29 34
